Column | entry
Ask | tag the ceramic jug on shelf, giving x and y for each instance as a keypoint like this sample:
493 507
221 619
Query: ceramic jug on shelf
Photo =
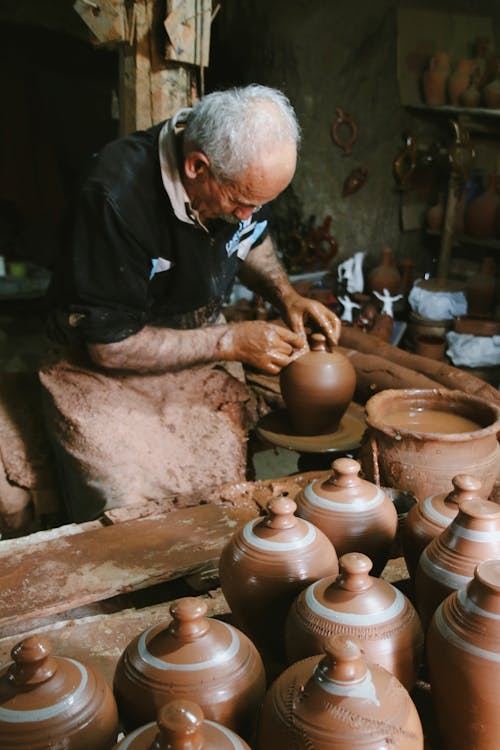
385 275
434 79
459 80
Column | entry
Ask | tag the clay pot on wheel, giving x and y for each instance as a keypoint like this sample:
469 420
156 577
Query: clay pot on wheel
317 388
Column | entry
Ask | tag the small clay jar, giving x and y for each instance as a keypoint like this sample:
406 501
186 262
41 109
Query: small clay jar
339 701
431 516
266 565
54 702
356 515
355 603
182 726
317 388
459 80
434 79
491 93
385 275
194 658
449 561
463 654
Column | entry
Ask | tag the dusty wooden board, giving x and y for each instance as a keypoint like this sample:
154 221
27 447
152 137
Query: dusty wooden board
43 578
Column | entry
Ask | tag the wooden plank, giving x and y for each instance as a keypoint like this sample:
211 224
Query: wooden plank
50 577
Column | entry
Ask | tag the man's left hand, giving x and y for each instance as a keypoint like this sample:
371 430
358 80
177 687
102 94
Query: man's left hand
297 310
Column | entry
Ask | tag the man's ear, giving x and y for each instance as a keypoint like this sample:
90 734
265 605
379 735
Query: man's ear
196 165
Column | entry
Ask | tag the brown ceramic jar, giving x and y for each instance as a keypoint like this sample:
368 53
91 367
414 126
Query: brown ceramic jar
195 658
356 515
385 275
181 726
449 561
49 702
266 565
463 648
317 388
355 603
339 701
432 515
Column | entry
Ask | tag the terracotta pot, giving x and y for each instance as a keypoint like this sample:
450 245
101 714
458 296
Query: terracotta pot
385 275
481 289
418 325
432 347
434 79
338 701
181 726
317 388
431 516
471 96
353 513
266 565
464 662
481 213
459 80
449 561
403 502
355 603
491 93
438 434
54 702
195 658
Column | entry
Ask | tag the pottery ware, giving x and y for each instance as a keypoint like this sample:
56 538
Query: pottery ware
356 515
355 603
449 561
434 79
194 658
49 702
464 662
338 701
266 565
181 726
385 275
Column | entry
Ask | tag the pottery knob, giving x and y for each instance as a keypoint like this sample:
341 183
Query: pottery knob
180 725
281 513
189 621
343 661
354 572
466 487
345 473
488 574
32 662
317 342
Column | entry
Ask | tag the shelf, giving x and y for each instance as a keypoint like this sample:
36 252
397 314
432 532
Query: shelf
466 239
475 119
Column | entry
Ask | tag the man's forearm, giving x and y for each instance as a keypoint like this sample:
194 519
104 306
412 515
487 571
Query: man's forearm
263 274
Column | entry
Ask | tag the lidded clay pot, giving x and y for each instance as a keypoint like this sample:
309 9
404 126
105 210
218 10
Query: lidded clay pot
356 515
339 701
449 561
266 565
195 658
53 702
431 516
317 388
463 654
181 726
355 603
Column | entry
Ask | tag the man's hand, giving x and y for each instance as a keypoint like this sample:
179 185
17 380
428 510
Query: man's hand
297 310
262 345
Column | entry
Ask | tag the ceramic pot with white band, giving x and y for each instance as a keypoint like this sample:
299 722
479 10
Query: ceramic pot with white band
181 725
54 702
356 603
449 561
355 515
338 700
194 658
463 652
266 565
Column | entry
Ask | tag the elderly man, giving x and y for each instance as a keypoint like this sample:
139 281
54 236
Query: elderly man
163 222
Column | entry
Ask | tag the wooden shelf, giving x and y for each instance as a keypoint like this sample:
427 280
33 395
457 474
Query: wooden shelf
466 239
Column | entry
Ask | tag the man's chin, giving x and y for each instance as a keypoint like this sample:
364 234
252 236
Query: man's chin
229 218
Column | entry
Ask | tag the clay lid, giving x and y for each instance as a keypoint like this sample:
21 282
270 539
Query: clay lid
484 589
280 530
345 486
465 487
479 515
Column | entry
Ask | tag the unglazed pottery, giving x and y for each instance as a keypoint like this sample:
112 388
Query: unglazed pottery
339 701
449 561
422 455
432 347
49 702
195 658
434 79
385 275
317 388
266 565
463 651
355 603
459 80
181 726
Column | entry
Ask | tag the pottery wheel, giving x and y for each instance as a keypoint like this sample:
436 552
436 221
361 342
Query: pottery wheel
276 429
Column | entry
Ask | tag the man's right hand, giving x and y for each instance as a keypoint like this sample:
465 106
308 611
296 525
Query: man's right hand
262 345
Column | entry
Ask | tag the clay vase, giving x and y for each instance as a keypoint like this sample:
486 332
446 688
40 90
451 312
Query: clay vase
459 80
266 565
481 290
355 603
317 388
194 658
464 662
471 96
355 515
336 701
385 275
54 702
481 213
434 79
491 94
449 561
435 214
182 726
418 438
429 517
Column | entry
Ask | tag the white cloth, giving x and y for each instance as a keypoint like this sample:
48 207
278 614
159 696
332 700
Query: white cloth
473 351
437 305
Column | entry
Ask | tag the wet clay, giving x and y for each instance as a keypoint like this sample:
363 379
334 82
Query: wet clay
431 420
